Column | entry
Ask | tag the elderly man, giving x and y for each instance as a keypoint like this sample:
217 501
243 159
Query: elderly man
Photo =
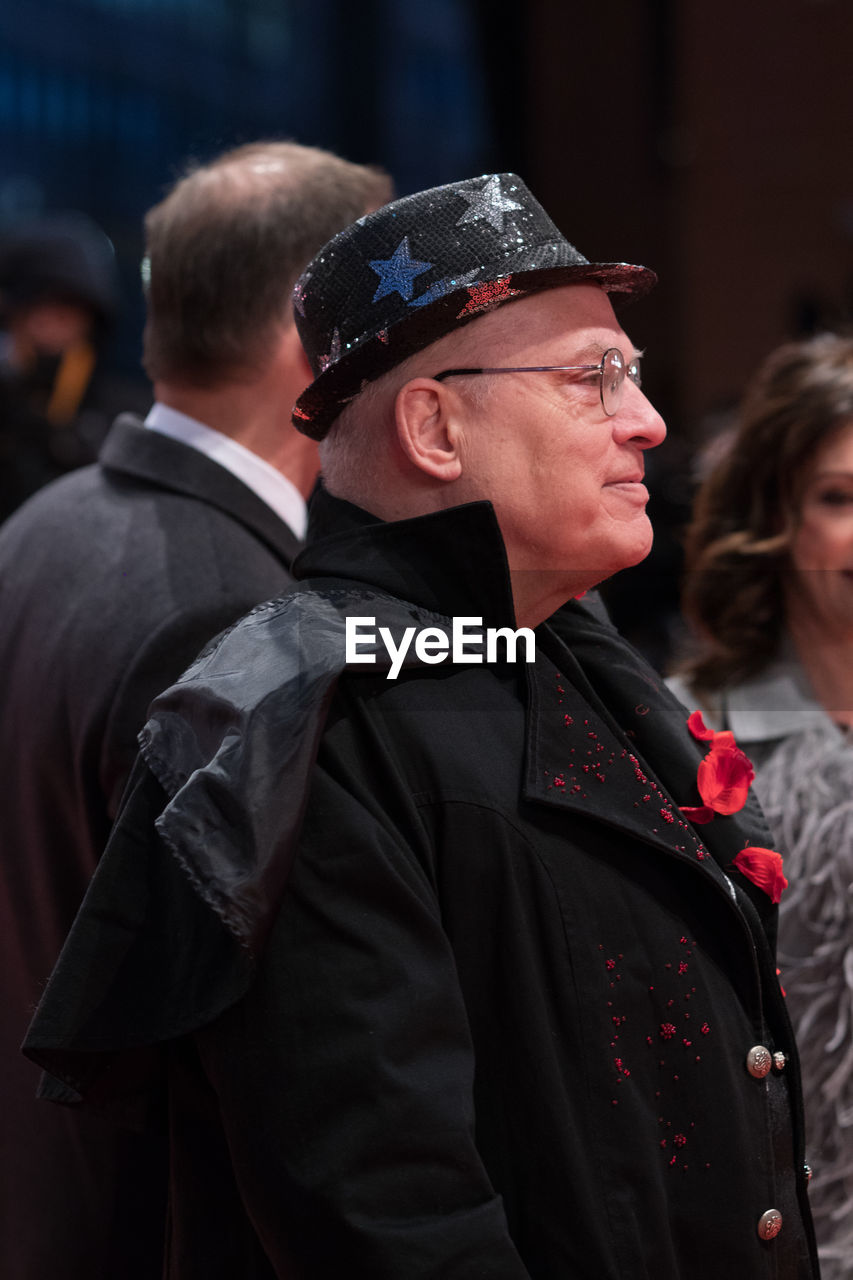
111 581
450 985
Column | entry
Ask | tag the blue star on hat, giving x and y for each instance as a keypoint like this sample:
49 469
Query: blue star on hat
447 285
488 203
397 272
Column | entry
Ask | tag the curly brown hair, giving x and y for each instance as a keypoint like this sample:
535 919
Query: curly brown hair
748 507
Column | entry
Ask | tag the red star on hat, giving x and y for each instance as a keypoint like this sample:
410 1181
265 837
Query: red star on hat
483 296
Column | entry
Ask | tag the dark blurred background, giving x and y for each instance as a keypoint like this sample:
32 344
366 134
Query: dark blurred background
711 142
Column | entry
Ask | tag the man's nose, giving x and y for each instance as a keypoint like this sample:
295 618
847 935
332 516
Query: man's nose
638 419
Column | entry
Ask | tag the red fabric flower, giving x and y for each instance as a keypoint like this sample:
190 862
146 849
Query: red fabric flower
700 813
764 868
696 725
724 775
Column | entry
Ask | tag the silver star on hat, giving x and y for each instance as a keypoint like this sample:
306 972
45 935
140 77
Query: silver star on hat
488 203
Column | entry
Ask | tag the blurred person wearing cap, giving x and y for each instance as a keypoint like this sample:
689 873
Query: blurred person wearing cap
111 580
58 299
410 898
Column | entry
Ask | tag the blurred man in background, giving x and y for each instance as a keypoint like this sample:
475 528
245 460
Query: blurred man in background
111 580
58 300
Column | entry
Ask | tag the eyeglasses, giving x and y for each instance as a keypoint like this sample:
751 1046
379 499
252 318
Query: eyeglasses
612 372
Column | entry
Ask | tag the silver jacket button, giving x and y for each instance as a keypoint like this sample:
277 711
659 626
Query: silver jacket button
808 1173
770 1224
758 1061
779 1060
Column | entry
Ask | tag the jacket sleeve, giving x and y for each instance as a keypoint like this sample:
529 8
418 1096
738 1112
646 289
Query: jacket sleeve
345 1076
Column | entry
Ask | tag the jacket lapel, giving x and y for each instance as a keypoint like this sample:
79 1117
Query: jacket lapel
607 739
132 450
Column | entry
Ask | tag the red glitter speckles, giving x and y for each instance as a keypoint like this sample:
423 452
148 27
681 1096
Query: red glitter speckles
611 964
679 1140
667 1031
559 781
568 720
682 965
666 815
705 1029
483 296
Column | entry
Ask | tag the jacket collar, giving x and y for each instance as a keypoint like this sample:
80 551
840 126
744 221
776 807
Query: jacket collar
132 450
773 704
607 739
451 562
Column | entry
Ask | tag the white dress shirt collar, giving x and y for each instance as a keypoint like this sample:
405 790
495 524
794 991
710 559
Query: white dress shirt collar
270 485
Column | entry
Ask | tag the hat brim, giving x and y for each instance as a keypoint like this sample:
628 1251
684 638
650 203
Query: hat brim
330 392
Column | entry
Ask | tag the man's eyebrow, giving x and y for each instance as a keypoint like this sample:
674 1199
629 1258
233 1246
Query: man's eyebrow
593 351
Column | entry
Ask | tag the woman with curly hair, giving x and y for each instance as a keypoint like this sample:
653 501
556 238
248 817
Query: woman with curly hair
769 594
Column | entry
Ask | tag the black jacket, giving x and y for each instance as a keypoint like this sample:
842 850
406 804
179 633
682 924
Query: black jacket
111 581
493 1018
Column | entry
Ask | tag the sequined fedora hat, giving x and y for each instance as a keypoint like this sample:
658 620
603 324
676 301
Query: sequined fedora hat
409 273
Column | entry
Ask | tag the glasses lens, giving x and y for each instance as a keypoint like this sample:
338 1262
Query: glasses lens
612 380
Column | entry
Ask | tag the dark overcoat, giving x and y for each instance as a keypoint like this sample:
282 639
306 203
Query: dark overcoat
111 580
485 1008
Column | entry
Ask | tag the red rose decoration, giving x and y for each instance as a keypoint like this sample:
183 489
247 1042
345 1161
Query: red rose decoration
724 775
699 814
764 868
696 725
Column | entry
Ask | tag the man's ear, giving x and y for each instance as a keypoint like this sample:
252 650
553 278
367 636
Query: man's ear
428 420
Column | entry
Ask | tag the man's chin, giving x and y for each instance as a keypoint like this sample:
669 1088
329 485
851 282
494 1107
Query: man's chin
631 551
